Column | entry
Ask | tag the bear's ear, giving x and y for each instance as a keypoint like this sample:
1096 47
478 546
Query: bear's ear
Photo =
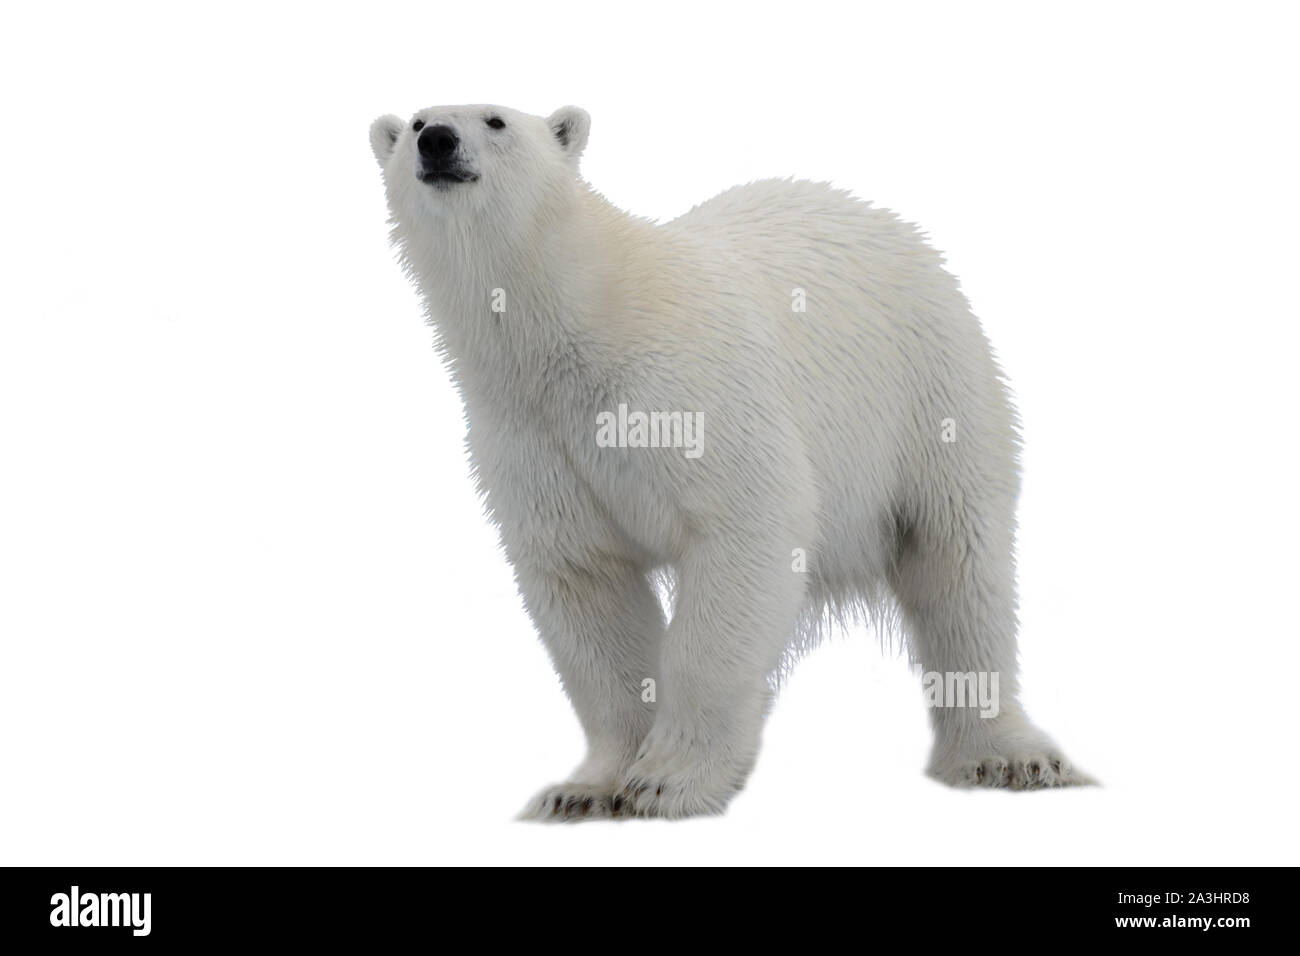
383 136
571 124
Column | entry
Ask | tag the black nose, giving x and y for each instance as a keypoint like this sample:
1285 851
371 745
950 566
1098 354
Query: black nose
437 143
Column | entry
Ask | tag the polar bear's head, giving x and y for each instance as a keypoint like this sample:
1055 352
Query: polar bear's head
485 167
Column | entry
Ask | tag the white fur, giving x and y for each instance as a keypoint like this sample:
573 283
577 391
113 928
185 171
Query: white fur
822 432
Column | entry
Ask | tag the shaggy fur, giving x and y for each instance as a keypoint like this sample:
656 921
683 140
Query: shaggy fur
870 432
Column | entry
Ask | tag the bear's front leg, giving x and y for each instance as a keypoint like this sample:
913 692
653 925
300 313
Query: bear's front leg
738 600
602 626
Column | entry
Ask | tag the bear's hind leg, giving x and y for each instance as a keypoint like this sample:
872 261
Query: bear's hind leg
955 582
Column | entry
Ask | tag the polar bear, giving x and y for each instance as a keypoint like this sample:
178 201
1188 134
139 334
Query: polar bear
780 398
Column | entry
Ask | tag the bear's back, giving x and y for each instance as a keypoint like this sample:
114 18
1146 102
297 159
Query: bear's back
780 215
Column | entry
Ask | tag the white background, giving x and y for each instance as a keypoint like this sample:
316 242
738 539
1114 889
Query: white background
250 611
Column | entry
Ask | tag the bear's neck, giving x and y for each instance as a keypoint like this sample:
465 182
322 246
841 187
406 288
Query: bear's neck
514 314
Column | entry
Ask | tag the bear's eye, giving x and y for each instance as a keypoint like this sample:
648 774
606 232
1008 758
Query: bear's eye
496 122
417 125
